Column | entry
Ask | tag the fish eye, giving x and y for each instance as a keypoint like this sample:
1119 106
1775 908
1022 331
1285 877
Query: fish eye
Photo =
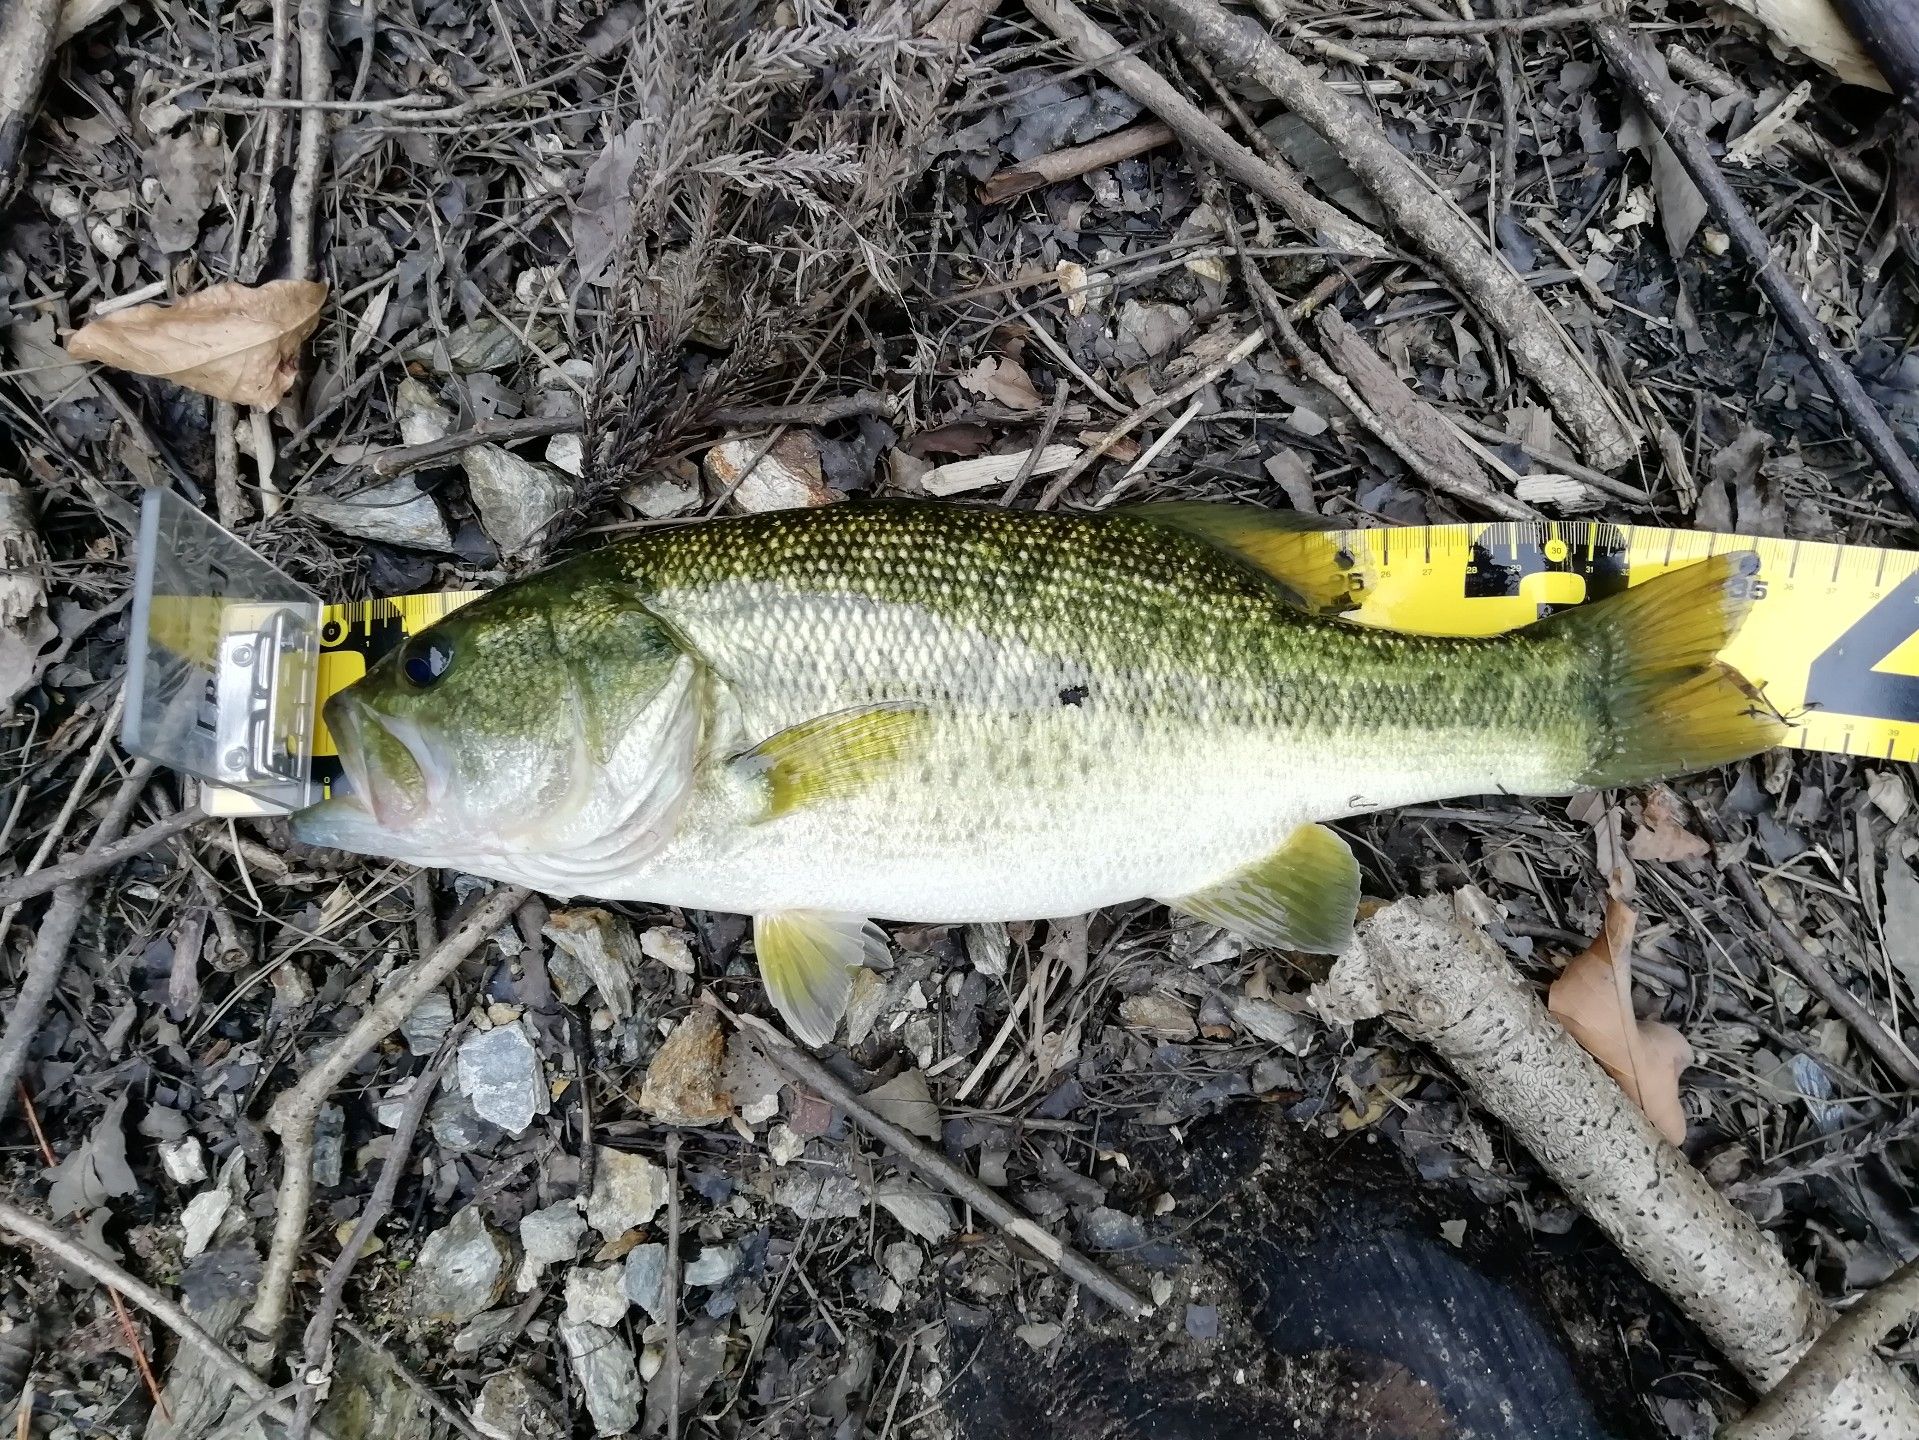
426 659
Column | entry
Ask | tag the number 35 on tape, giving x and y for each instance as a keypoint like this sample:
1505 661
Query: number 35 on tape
1833 633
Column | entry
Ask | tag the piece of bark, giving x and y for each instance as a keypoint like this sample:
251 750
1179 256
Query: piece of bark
1421 427
1279 184
26 51
1888 30
1442 983
24 626
1541 349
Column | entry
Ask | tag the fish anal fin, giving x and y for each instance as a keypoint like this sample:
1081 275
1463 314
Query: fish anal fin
1301 897
1299 552
807 959
831 756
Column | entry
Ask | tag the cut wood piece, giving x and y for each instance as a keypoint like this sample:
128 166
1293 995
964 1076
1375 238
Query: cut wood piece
26 50
1540 348
1277 183
1422 428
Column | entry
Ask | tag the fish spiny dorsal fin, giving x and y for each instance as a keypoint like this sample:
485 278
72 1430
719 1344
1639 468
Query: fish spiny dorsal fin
1301 897
1297 551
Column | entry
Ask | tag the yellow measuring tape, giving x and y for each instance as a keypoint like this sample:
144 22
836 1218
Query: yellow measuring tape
1833 634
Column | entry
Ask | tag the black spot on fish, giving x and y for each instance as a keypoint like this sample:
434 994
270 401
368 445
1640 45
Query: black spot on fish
1072 695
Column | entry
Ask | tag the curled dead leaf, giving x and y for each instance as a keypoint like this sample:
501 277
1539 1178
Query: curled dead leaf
233 342
1592 998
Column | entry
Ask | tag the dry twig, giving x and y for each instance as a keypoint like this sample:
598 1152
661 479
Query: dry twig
1635 70
26 51
1541 350
935 1166
97 857
295 1111
1282 186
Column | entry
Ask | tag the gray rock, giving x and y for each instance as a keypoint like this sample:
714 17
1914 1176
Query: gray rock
455 1126
517 498
714 1265
421 415
500 1073
628 1190
462 1270
607 1373
552 1236
596 1295
514 1406
645 1279
428 1023
394 512
329 1146
369 1401
818 1192
595 949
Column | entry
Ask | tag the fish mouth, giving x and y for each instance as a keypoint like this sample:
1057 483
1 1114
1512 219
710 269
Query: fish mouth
389 767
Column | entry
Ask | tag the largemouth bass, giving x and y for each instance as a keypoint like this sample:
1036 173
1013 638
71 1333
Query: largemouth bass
933 713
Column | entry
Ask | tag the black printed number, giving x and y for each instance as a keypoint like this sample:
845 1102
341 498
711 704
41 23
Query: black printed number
1843 680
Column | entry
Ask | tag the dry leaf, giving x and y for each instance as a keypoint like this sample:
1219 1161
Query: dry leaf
997 378
233 342
1662 835
1592 998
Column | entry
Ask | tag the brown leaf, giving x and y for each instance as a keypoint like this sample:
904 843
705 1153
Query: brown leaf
1662 835
1592 998
233 342
997 378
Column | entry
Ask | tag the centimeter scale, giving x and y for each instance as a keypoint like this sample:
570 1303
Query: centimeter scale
1833 635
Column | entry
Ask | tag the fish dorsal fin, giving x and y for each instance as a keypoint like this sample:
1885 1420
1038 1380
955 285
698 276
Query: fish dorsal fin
807 959
834 755
1296 550
1301 897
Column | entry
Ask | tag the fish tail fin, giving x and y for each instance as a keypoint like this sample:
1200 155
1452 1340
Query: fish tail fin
1667 705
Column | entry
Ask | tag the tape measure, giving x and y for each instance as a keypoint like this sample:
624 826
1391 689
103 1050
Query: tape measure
1832 636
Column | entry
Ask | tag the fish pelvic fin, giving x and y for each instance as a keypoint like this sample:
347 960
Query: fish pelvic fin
834 755
1301 897
807 959
1667 705
1300 553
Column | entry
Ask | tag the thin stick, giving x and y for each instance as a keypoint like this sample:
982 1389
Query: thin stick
319 1334
812 412
403 458
71 1252
293 1114
91 862
50 944
670 1370
1140 80
1541 350
934 1166
428 1396
1847 1344
315 81
1822 982
140 1362
1075 160
1544 20
1138 416
1632 67
1031 462
1807 144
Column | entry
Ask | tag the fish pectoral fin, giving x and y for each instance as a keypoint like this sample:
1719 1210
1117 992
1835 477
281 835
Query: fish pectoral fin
1294 549
1301 897
807 959
833 755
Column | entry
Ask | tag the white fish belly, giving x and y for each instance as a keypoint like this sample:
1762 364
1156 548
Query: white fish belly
1063 852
